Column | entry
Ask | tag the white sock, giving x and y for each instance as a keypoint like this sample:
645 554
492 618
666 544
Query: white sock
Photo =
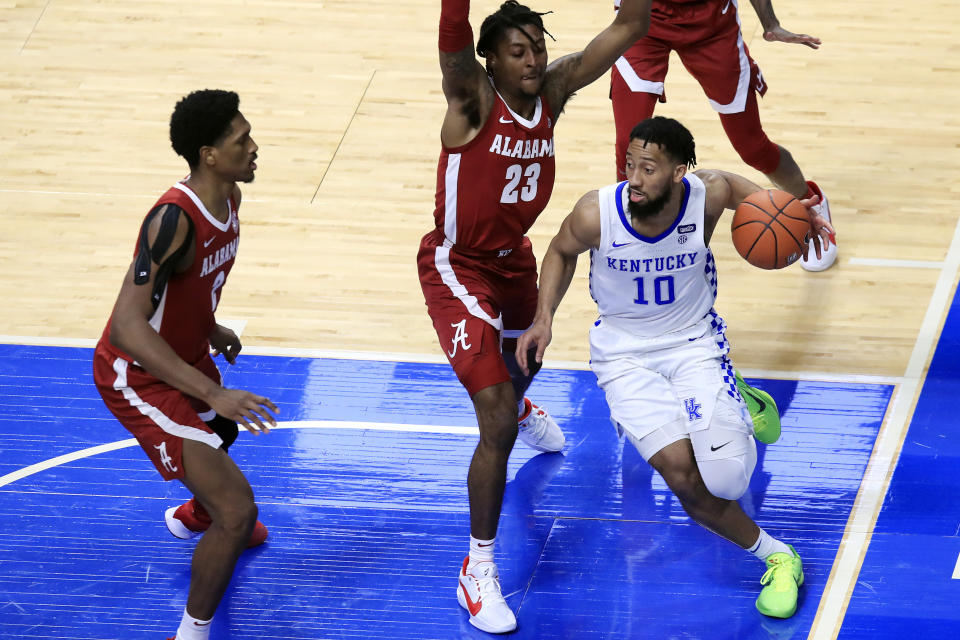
766 545
480 551
193 629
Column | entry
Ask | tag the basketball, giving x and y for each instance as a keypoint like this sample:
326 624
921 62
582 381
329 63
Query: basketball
769 229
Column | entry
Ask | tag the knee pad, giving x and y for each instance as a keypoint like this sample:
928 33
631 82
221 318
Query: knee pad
726 477
729 478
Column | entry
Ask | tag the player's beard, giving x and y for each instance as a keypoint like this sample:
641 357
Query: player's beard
651 207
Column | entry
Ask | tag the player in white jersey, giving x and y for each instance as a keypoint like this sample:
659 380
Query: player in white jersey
658 349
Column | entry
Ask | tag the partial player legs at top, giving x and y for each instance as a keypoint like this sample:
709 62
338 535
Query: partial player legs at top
707 38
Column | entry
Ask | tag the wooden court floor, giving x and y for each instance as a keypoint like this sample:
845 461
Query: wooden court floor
345 103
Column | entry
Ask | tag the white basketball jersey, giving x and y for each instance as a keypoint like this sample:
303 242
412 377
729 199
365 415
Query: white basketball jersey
653 286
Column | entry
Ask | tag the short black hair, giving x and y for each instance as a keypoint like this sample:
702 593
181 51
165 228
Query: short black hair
673 137
510 15
202 119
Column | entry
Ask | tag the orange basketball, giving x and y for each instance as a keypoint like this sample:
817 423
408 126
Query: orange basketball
769 229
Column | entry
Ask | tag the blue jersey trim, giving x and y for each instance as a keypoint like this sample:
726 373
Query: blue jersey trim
633 232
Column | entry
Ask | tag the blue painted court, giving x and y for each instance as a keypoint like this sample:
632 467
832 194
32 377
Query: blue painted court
364 492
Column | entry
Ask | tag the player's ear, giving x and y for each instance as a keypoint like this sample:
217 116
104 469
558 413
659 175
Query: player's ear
208 156
679 171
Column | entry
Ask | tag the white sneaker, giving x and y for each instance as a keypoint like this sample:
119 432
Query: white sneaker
539 431
479 593
828 255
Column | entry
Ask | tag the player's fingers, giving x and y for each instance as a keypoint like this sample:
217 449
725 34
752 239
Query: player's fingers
254 415
259 413
257 408
249 427
540 349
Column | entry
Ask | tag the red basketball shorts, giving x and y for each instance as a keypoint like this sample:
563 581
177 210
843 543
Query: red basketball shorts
159 416
475 301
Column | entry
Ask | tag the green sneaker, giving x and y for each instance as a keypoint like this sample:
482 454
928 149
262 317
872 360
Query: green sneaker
763 411
783 578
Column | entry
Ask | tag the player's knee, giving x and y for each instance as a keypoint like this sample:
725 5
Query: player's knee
684 481
758 152
496 411
729 478
520 380
238 517
750 142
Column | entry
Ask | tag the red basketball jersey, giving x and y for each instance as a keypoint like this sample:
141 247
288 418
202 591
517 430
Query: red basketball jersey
184 318
490 190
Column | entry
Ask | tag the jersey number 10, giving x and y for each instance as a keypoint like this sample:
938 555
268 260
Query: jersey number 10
663 292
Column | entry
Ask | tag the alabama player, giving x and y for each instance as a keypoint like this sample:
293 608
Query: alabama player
659 349
476 267
153 366
706 36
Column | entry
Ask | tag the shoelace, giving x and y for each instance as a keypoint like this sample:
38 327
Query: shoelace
780 574
488 585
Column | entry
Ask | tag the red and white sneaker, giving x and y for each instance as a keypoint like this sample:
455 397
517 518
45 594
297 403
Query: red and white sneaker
190 520
828 255
538 430
479 593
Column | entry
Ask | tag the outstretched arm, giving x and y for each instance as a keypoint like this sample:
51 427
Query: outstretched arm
727 190
579 232
773 32
465 83
575 71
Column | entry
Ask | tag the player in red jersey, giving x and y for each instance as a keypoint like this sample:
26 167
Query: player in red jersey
153 366
477 268
706 35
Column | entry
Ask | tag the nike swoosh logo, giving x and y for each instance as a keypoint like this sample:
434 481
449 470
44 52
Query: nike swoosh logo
472 607
758 400
713 448
484 545
207 243
623 244
503 121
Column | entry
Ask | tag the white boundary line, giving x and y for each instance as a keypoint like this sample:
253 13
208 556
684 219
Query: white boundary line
294 424
386 356
899 264
876 479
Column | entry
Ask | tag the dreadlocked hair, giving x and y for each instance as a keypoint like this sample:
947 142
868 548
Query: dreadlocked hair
674 138
510 15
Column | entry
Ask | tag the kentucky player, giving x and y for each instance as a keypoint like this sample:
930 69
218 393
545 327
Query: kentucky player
659 349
